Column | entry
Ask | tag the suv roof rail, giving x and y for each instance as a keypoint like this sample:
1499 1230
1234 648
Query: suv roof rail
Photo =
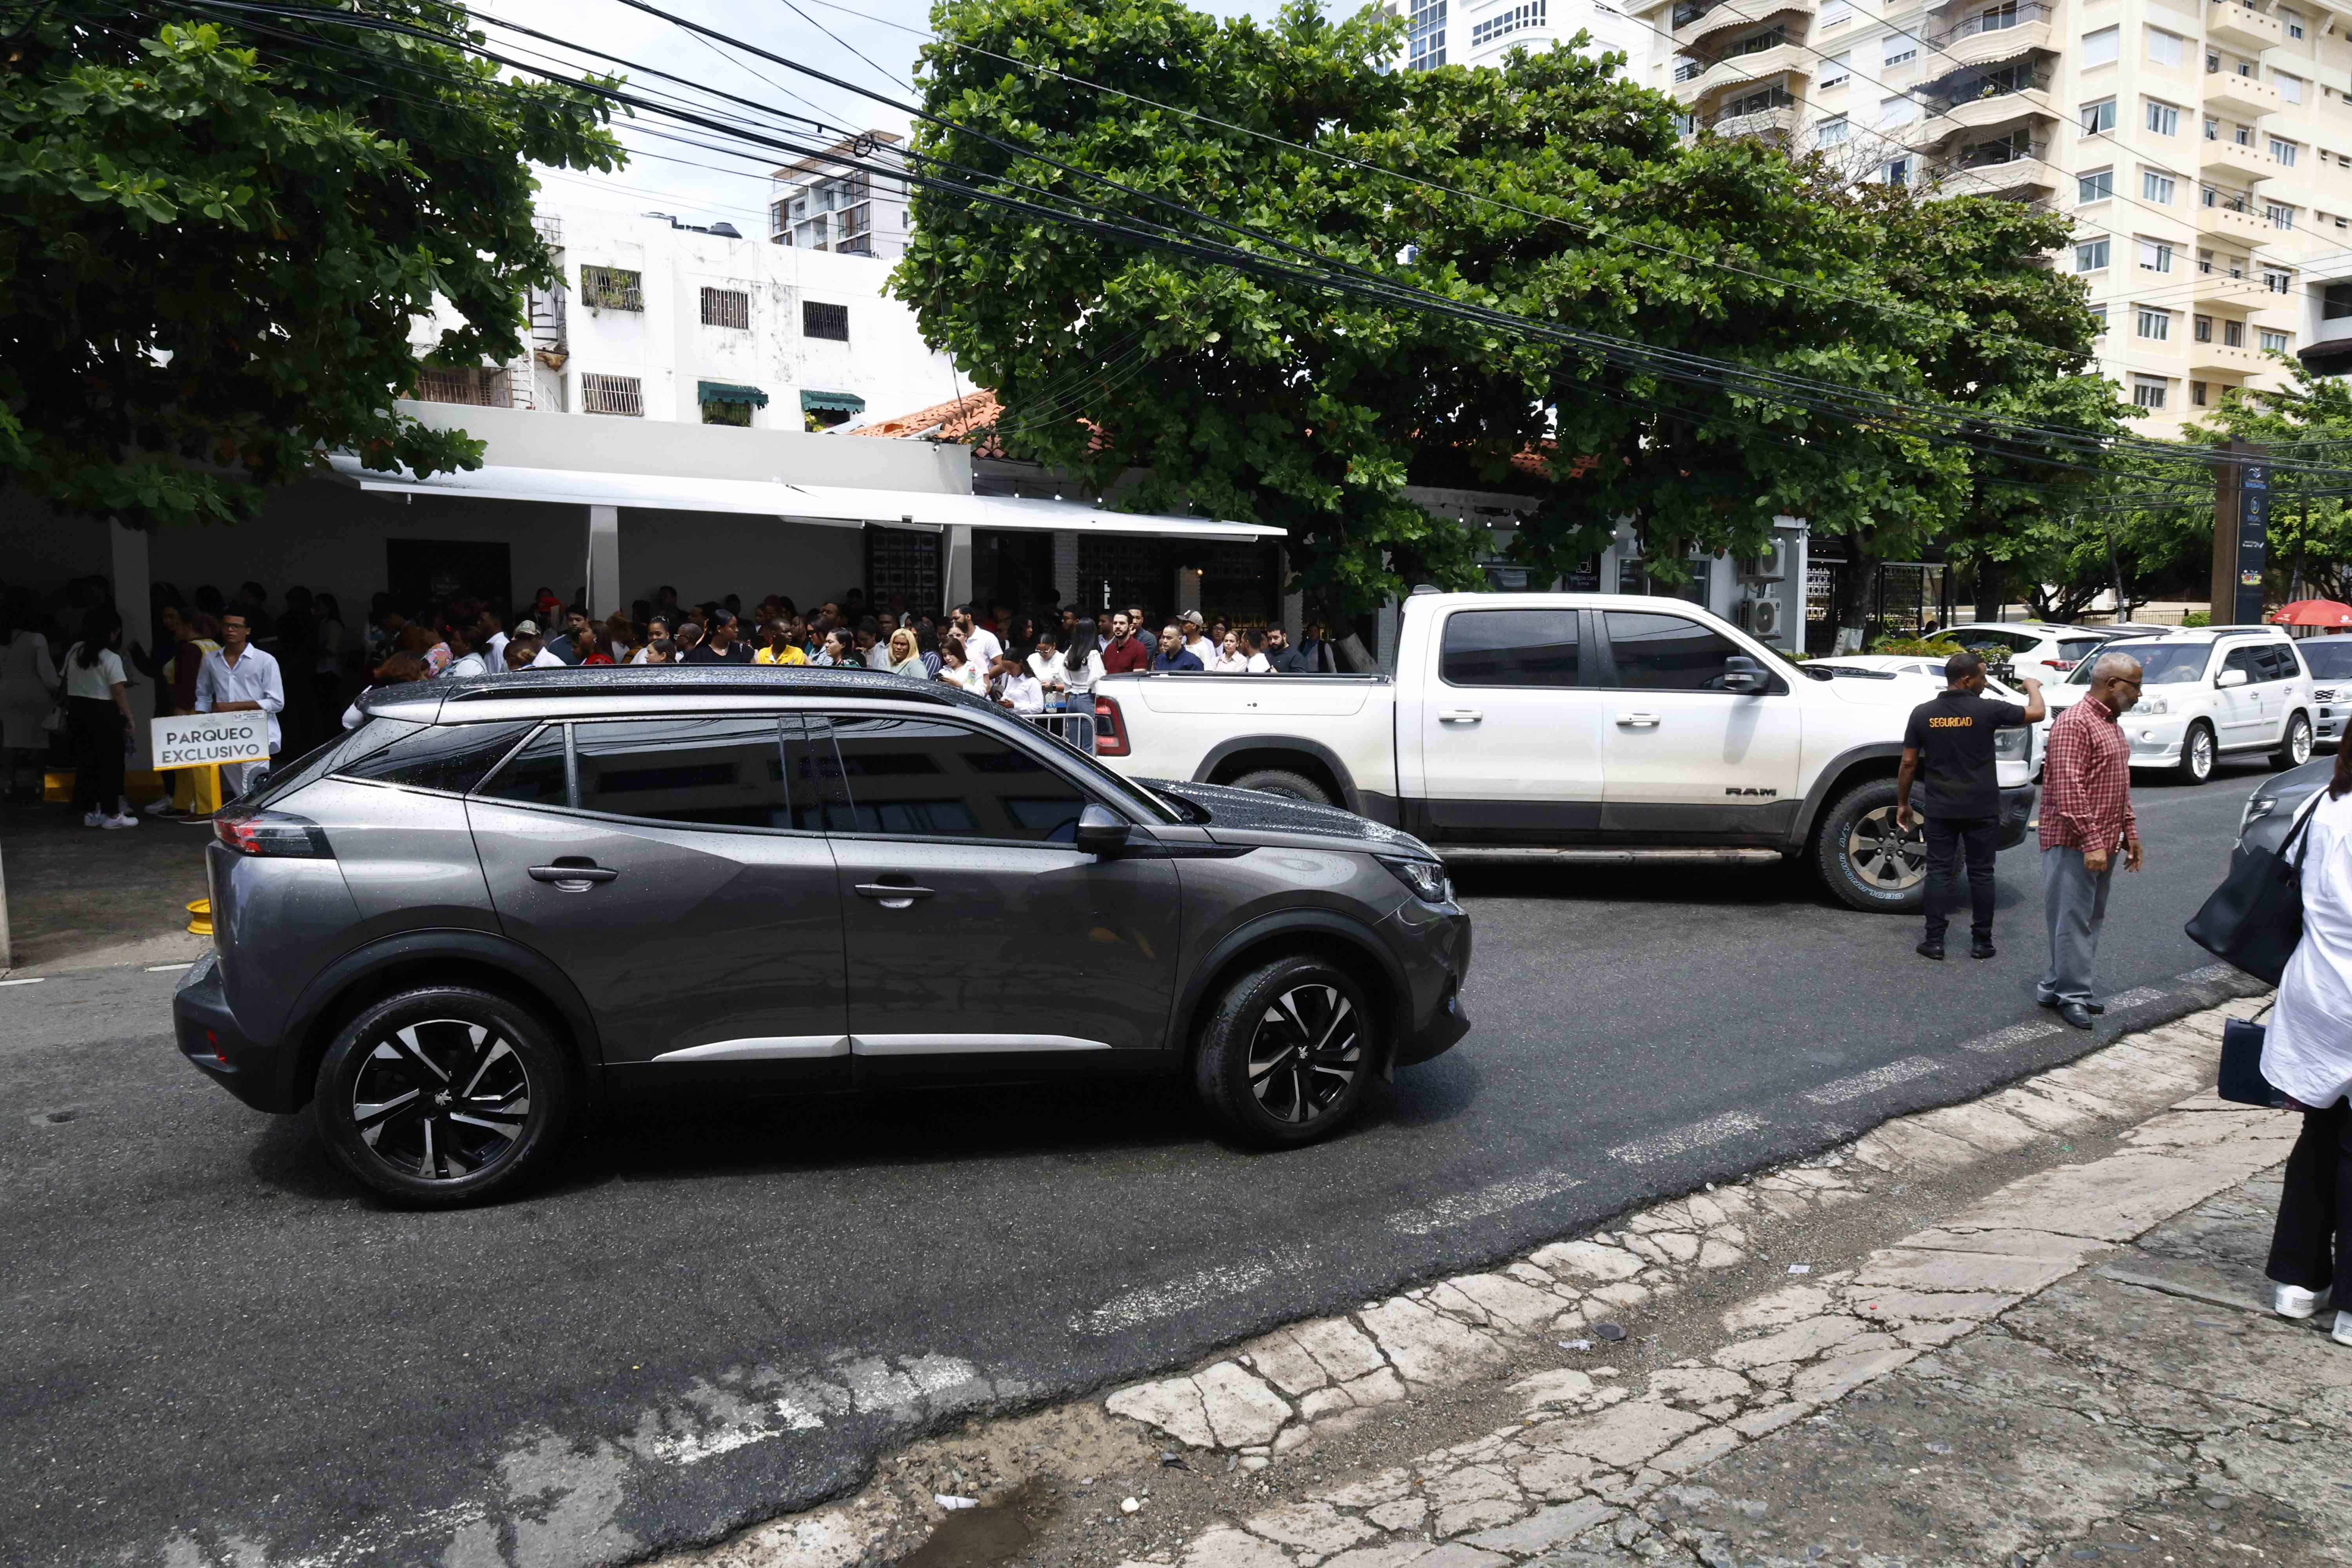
637 681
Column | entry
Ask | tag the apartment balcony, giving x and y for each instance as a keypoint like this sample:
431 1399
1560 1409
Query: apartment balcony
2220 359
1994 33
1978 113
1780 119
2218 155
1763 65
2241 94
2242 28
2219 288
1693 22
2017 168
2234 225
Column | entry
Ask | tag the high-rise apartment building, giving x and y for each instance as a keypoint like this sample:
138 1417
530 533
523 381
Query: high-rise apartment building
2203 149
1481 32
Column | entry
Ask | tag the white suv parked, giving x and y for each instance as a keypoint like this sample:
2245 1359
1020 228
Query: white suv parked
2046 650
2208 691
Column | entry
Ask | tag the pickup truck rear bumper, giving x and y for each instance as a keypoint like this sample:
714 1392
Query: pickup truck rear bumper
2016 811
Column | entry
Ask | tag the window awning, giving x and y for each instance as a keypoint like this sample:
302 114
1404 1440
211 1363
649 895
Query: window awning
831 505
726 392
832 402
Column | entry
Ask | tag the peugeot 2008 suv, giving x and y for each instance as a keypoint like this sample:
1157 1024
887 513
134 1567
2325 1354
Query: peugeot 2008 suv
499 898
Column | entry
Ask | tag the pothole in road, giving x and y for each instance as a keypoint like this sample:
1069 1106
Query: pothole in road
983 1537
56 1118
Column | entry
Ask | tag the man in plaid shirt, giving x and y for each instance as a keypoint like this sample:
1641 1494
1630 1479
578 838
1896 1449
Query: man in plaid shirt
2086 817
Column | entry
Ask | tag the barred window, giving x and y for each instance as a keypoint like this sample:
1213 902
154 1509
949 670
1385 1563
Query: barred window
727 307
612 288
484 386
612 395
830 321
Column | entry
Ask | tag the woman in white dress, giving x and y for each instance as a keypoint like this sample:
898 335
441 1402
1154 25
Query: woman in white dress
28 695
2308 1056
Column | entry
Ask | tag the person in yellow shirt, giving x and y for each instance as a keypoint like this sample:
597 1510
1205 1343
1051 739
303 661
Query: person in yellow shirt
781 648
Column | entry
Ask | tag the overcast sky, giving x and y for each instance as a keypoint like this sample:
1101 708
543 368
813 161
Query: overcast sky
665 177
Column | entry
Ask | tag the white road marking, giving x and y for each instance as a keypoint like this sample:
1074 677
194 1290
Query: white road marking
1137 1308
1697 1135
1485 1202
1870 1083
2015 1036
36 980
168 968
2138 997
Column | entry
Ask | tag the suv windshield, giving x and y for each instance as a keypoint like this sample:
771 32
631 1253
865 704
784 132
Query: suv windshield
2330 657
2166 663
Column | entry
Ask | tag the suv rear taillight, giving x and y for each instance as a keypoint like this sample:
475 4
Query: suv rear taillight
2061 664
1110 730
273 833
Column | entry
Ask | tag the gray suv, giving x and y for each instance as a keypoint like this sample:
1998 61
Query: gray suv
500 899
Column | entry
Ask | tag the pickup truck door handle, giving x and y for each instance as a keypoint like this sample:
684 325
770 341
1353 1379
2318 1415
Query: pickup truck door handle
1638 721
1459 716
574 876
893 895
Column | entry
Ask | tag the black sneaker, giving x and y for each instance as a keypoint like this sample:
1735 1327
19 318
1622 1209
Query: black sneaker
1934 950
1982 948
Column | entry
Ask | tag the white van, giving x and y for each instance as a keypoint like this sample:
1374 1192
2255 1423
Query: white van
2208 692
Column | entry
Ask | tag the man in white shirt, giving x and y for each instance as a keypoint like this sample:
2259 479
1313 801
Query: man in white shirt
238 678
1195 642
490 638
1017 688
1254 645
980 645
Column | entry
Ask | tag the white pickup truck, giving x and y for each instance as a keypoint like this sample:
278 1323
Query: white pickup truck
1578 725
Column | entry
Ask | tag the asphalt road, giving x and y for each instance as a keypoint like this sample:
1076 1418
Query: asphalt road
215 1348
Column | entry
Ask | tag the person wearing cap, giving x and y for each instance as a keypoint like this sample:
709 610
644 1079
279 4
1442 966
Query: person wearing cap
1195 642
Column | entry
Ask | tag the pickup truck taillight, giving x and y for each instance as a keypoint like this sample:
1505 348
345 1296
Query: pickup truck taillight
1110 730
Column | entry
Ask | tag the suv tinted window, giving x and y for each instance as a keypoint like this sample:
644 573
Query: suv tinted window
331 755
2281 662
1666 653
1509 647
534 776
2250 658
452 757
2004 642
927 778
2078 648
707 773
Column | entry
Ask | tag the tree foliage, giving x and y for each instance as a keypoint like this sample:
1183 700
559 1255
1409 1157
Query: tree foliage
1550 188
212 244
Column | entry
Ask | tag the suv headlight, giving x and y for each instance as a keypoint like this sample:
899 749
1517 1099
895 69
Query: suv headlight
2013 745
2155 707
1427 878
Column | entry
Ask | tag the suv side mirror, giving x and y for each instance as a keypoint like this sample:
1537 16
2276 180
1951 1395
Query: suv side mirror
1100 831
1744 676
2231 677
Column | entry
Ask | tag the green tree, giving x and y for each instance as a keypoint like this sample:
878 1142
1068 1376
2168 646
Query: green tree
1579 204
211 245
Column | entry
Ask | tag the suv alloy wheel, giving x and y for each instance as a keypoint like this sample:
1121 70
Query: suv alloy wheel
1286 1053
2296 750
1867 861
2197 753
443 1096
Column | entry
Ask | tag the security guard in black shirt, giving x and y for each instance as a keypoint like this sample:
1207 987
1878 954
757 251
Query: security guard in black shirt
1954 735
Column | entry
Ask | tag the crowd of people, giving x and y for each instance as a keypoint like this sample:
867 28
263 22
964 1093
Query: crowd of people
67 667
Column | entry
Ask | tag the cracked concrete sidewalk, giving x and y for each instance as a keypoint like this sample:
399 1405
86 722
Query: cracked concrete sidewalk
2073 1363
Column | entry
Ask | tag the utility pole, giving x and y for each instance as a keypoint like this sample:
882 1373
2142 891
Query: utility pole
2242 516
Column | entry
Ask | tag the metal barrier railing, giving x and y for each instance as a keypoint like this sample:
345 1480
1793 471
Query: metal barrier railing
1074 728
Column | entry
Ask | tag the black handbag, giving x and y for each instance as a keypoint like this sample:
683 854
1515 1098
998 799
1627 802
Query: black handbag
2242 1082
2255 918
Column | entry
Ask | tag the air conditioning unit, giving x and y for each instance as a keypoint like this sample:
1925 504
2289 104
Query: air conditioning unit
1760 617
1771 566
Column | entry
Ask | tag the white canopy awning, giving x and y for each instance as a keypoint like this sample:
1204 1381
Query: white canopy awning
833 505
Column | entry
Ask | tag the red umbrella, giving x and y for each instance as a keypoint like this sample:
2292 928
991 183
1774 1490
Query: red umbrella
2312 613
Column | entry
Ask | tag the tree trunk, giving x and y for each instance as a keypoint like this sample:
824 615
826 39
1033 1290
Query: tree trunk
1988 590
1854 596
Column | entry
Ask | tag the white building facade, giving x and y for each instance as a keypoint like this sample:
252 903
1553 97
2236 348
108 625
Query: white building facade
2203 148
658 320
1481 32
818 203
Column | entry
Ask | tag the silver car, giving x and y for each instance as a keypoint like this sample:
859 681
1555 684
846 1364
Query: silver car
502 898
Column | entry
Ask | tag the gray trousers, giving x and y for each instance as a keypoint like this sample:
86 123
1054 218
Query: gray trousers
2074 906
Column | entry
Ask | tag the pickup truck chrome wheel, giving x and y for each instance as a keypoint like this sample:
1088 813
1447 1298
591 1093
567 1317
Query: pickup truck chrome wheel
1864 858
1286 1051
1884 855
442 1095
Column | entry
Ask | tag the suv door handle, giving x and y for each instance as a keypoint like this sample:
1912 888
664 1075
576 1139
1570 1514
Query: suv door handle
1638 721
893 895
1459 716
573 878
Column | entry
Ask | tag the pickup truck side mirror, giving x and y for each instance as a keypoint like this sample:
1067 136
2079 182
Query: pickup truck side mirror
1743 676
2231 677
1100 831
